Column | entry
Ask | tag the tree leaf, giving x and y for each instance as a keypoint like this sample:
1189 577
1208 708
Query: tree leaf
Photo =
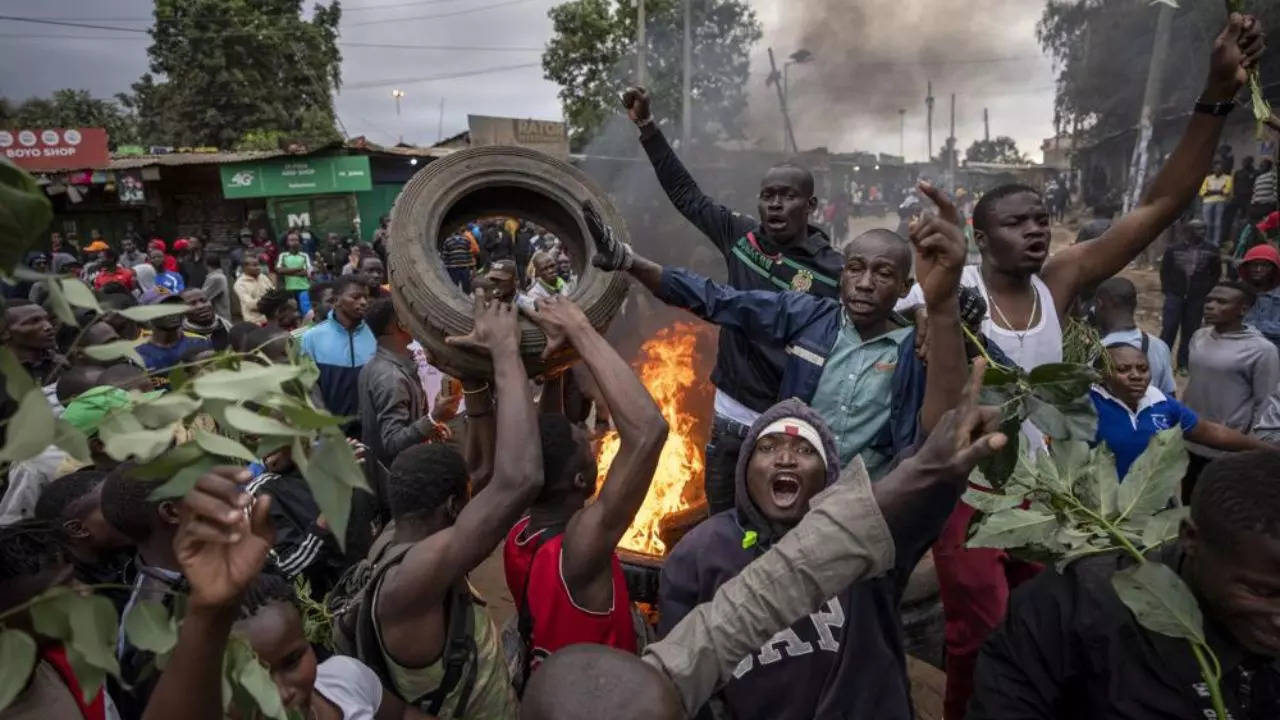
17 381
1061 383
332 473
79 294
90 676
1155 477
165 410
169 463
70 440
1159 600
1072 459
249 383
184 479
30 430
248 421
107 352
147 313
58 302
1014 528
1097 486
149 627
17 657
223 446
998 468
989 502
93 630
1163 526
255 680
124 437
50 614
1077 420
25 212
303 415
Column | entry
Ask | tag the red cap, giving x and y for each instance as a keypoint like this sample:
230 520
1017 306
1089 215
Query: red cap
180 244
1263 252
156 244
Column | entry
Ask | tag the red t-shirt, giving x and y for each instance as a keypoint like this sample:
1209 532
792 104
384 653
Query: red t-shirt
557 621
121 275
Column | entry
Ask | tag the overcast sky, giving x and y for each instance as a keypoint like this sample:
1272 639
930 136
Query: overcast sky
847 99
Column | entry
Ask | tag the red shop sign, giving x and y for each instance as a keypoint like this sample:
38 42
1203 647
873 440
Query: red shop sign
56 148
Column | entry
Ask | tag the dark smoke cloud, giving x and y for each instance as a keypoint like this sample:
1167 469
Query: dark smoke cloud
872 57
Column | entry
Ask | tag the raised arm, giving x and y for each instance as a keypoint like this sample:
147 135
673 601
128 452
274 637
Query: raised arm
430 569
940 255
593 532
1221 437
717 222
219 557
1236 49
763 315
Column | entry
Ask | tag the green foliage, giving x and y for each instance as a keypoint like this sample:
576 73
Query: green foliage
1002 149
24 214
1103 51
1067 503
317 621
150 627
592 57
234 71
17 657
73 108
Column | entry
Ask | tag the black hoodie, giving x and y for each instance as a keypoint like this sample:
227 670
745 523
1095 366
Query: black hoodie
845 661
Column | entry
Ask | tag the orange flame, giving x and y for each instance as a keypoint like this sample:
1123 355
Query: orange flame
666 368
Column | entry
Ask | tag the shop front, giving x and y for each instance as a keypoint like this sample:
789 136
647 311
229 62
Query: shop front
314 192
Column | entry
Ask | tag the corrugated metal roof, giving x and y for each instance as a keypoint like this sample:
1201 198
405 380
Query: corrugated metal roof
129 162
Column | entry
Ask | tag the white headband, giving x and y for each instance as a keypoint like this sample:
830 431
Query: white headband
797 427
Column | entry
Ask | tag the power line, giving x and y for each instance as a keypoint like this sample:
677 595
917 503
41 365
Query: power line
345 10
43 21
341 43
446 76
455 13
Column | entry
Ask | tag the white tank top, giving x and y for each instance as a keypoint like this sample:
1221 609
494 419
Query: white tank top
1038 345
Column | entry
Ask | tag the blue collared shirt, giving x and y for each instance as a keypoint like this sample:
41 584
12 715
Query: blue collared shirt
1127 432
1265 315
855 392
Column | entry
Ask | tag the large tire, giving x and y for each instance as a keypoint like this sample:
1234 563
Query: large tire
493 181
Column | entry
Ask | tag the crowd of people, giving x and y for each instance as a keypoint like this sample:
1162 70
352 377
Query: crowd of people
846 425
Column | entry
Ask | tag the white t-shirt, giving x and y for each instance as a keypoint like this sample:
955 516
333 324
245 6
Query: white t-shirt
351 685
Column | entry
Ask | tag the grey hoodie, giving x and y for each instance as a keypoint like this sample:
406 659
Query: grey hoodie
844 661
1232 375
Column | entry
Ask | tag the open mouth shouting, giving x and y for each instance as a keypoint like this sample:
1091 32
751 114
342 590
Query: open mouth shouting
784 490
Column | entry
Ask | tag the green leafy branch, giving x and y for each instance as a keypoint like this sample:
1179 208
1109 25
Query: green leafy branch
1067 503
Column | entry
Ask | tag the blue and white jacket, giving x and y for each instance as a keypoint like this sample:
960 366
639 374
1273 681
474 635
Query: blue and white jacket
339 353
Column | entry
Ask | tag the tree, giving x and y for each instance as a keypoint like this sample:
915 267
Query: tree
72 108
1002 149
592 56
1103 50
232 68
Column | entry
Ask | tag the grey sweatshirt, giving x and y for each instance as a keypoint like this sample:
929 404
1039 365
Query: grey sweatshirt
1232 375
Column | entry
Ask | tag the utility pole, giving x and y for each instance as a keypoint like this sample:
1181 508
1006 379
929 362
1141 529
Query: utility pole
951 147
986 126
686 111
1155 75
397 94
641 47
440 123
775 78
902 134
928 101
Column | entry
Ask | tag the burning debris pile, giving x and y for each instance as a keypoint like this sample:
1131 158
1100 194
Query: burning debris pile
669 370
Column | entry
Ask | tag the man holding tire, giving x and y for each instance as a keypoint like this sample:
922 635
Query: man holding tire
778 251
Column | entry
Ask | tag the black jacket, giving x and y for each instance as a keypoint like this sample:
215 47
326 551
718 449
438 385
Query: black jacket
1190 270
745 370
1068 649
393 405
844 661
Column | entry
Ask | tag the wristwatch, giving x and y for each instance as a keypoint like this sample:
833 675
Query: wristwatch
1220 109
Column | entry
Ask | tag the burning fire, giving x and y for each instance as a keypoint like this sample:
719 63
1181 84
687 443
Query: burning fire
666 368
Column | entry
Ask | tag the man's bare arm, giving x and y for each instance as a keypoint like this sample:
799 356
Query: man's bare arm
594 532
940 255
1236 49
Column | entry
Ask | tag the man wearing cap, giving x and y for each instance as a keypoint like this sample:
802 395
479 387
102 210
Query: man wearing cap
93 254
168 344
1261 270
111 271
166 280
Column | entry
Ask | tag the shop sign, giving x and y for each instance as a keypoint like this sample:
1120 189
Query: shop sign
297 176
44 149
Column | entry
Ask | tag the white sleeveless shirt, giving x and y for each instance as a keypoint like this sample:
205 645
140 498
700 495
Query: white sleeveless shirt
1038 345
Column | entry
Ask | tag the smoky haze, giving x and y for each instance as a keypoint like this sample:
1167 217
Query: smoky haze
872 57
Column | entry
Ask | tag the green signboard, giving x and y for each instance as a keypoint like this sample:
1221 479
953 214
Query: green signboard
296 176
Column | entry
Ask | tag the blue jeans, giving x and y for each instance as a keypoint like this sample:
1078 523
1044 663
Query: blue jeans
1214 213
461 276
